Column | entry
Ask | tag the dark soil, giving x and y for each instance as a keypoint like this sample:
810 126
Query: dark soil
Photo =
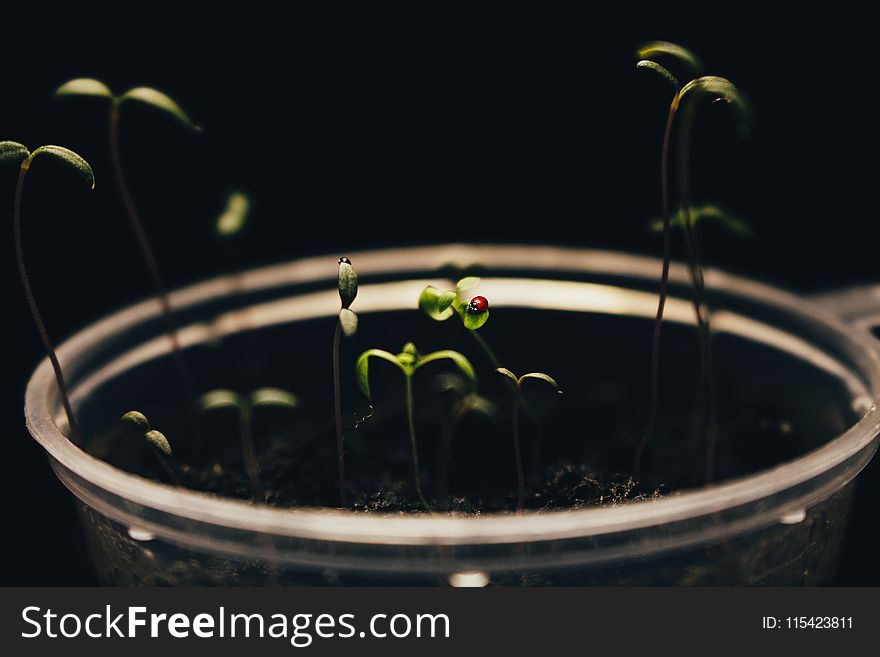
578 448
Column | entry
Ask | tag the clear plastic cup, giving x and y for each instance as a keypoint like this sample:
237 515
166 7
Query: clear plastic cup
780 525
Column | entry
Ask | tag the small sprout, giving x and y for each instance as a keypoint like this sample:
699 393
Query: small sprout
234 217
654 49
160 447
517 401
440 305
409 361
245 406
346 324
347 282
708 213
15 153
158 440
89 87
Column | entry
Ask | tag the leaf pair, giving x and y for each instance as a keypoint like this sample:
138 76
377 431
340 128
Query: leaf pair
443 304
408 361
156 439
347 282
89 87
708 212
712 85
222 398
12 152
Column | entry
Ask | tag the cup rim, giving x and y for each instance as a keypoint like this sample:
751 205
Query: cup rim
42 402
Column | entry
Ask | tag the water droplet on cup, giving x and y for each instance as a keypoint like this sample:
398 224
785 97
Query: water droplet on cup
469 579
794 518
139 534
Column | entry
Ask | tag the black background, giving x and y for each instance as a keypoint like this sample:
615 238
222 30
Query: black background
366 124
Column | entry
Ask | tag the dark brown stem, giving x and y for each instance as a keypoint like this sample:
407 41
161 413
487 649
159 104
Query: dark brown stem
35 311
700 308
337 401
167 469
143 241
664 281
520 476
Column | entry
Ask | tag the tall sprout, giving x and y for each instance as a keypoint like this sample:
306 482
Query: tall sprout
13 152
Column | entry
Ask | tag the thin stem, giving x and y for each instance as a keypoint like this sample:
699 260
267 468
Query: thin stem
700 307
167 469
247 450
337 401
143 241
412 437
35 312
520 476
664 280
486 348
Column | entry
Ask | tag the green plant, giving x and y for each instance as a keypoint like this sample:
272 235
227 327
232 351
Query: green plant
88 87
517 401
245 406
443 304
159 446
409 361
720 89
14 153
347 323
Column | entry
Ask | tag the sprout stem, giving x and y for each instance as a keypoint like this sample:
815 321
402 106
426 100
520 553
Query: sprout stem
149 256
247 449
700 307
664 281
412 437
520 476
337 399
35 312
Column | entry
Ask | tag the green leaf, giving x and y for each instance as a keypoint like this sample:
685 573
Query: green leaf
654 49
158 440
220 398
11 152
437 304
274 397
654 66
234 218
723 89
506 372
161 101
463 364
349 322
540 376
66 157
347 282
362 368
84 87
137 419
712 213
473 321
466 284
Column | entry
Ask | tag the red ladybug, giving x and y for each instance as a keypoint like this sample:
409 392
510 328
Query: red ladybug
478 305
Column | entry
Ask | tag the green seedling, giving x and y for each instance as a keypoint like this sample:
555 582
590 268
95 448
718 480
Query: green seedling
14 153
517 401
159 446
91 88
465 402
245 406
409 361
708 213
474 313
719 89
233 221
347 323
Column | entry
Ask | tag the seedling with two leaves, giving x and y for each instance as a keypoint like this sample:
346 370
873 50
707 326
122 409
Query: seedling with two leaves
245 406
684 100
347 323
409 361
517 402
158 444
91 88
14 153
440 305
